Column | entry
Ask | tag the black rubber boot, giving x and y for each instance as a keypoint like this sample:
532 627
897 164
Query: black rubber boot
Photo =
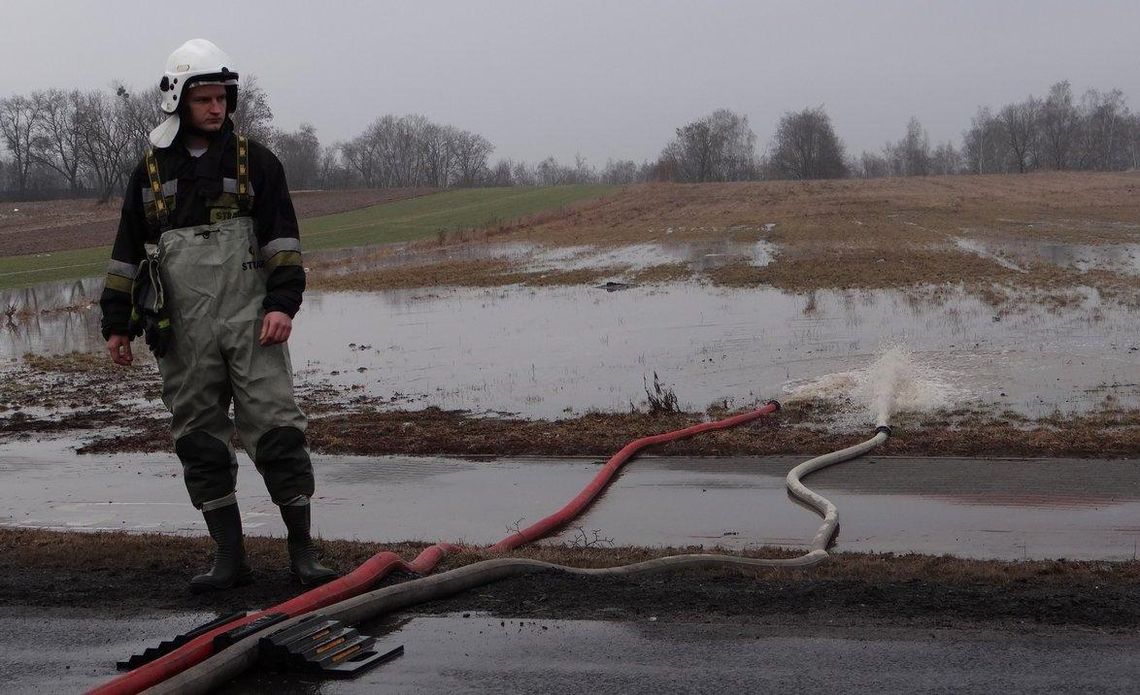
302 553
230 568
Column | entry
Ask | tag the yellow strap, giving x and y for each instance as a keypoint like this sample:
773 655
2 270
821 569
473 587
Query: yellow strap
243 172
156 188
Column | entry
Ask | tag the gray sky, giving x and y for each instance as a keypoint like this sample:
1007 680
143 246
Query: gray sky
604 79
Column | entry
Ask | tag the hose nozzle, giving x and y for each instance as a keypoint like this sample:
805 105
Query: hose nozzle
775 403
885 429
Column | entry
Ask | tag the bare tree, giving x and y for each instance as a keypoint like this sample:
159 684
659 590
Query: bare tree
500 174
910 156
412 151
873 166
718 147
361 156
550 172
619 172
252 115
139 112
300 154
1134 142
1106 118
945 160
439 154
106 146
916 149
984 145
471 151
806 147
333 173
522 174
1020 123
18 124
56 138
1060 124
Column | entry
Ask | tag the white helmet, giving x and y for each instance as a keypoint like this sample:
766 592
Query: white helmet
195 62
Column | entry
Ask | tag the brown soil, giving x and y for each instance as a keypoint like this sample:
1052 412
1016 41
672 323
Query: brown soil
881 233
62 225
121 573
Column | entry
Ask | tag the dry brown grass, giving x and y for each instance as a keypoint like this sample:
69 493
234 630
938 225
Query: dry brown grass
669 272
881 233
70 363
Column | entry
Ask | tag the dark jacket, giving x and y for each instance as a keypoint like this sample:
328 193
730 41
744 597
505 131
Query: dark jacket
194 186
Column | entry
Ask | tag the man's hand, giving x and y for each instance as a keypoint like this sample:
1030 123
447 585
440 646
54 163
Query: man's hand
120 348
275 328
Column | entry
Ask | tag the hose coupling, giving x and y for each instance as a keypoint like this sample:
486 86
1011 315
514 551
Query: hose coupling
885 429
775 403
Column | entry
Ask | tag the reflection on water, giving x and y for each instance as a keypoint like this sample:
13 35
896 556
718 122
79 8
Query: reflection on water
553 352
698 255
51 318
1015 253
971 508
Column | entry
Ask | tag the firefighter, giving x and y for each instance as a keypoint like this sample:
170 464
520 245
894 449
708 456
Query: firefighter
207 264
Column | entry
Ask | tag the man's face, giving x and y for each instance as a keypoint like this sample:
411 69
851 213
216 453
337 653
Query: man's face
208 107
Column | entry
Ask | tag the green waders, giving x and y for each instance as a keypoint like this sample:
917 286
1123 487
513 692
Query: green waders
214 284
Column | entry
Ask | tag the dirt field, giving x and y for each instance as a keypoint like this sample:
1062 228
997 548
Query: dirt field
61 225
881 233
124 574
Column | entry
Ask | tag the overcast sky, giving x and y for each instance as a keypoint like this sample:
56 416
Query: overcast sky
603 79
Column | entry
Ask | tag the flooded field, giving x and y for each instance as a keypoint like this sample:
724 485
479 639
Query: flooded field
555 351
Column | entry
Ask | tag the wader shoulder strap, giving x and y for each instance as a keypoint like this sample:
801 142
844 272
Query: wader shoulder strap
160 209
243 173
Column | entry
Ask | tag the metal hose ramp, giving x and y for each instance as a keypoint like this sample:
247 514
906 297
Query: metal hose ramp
240 656
382 564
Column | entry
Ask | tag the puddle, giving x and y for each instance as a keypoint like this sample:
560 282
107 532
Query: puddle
553 352
979 248
699 255
1006 509
1014 253
561 351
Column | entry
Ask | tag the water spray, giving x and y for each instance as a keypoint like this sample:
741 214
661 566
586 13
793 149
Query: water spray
895 381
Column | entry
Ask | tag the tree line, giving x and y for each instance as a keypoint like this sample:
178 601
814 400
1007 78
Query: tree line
60 143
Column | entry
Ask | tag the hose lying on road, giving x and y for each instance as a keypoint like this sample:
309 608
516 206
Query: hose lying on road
231 662
382 564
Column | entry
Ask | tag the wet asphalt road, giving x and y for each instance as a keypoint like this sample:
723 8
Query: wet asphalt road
67 651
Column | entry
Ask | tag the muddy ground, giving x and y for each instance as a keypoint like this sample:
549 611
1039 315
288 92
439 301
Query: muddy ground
124 574
62 225
44 396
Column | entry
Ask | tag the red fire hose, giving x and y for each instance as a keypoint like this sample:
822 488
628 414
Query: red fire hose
380 565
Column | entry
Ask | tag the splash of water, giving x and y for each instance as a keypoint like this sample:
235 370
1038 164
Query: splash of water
893 382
